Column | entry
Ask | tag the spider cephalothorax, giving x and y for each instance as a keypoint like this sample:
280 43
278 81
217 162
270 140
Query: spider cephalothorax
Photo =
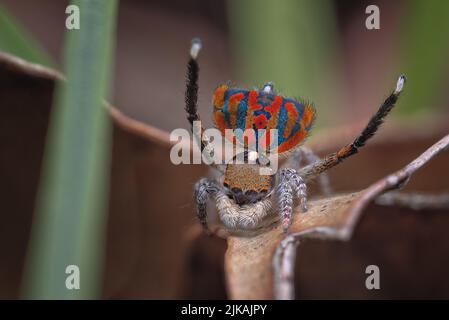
244 183
244 196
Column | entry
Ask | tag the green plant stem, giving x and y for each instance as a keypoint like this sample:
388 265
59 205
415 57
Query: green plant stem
69 224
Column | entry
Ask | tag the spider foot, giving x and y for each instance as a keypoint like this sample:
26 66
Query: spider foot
290 184
303 205
286 223
302 193
203 190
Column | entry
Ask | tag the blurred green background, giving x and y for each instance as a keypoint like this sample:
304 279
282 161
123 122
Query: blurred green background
318 50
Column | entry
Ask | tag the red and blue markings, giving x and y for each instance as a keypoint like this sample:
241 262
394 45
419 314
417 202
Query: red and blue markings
256 109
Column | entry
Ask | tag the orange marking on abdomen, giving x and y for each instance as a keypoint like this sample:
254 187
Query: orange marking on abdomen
260 121
308 116
274 111
234 100
293 141
252 97
252 100
220 121
291 120
219 96
275 106
233 105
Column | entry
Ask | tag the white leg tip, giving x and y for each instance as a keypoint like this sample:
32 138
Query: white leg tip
195 48
285 225
400 84
268 87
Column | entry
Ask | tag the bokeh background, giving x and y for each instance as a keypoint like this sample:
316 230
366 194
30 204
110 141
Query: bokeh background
318 50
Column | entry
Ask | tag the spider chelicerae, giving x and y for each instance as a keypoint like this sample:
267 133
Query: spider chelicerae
243 196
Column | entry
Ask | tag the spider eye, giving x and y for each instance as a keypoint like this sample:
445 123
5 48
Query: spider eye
237 191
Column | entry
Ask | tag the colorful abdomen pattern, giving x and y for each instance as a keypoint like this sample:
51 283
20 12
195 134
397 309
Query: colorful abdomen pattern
260 111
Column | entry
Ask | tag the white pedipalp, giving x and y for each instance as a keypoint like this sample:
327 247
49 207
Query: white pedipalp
245 217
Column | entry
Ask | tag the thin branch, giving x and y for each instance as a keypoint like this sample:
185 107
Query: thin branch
415 201
284 260
283 265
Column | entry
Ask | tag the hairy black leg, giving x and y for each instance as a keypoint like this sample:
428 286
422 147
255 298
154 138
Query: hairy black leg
203 190
335 158
290 184
191 101
191 95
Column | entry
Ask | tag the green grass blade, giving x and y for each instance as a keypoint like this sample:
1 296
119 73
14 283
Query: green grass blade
15 40
69 225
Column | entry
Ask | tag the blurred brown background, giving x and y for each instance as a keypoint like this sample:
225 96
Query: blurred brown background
149 253
153 38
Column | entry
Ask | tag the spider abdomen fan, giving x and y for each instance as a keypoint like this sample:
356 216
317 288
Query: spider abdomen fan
261 111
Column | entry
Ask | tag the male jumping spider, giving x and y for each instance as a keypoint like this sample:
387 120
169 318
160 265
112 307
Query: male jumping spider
242 195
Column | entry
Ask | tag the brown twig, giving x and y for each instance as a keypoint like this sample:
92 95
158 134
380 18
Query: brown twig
283 265
414 201
284 260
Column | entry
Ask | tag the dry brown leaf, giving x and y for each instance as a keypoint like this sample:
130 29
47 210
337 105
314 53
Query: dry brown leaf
261 266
